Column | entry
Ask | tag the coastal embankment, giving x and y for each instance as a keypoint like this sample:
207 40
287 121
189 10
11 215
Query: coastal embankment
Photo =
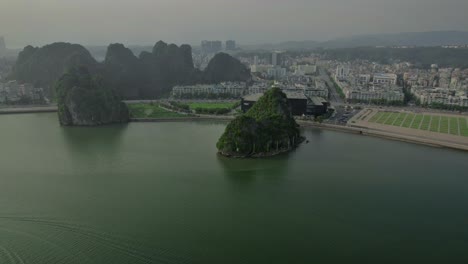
29 110
386 134
389 135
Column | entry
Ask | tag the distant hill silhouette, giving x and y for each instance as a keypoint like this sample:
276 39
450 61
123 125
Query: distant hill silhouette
421 39
150 75
44 66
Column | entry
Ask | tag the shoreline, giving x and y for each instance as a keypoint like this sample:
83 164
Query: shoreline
28 110
346 129
265 154
387 135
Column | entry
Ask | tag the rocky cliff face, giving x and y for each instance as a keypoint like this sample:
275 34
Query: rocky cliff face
83 100
267 129
123 71
224 68
151 75
44 66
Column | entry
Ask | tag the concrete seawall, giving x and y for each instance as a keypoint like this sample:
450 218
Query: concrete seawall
347 129
184 119
388 135
28 110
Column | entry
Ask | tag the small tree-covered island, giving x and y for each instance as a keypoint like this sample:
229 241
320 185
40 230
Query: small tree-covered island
267 129
83 100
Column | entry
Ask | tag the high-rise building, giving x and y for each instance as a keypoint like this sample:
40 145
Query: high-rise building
342 71
2 45
217 46
211 46
277 58
230 45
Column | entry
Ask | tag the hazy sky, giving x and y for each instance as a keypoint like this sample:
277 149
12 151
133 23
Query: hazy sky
97 22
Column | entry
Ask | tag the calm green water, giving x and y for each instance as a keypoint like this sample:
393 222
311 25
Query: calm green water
157 193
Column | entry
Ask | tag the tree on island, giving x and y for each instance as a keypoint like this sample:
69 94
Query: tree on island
267 129
84 100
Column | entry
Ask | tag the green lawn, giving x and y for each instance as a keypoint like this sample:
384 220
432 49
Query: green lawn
399 121
376 117
408 120
435 124
425 122
151 111
444 125
391 119
417 121
383 118
457 126
463 126
454 126
212 105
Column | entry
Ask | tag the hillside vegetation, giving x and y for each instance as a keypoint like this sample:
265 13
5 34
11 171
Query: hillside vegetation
267 129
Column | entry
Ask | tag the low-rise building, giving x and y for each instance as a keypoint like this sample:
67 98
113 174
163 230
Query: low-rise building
227 89
433 95
385 78
297 101
317 106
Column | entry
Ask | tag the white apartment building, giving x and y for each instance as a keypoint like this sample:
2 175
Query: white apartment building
234 89
342 72
385 78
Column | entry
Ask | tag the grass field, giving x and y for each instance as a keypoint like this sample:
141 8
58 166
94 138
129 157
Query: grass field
391 119
425 122
457 126
417 121
383 118
151 111
212 105
444 125
453 126
399 121
435 124
376 117
463 126
408 120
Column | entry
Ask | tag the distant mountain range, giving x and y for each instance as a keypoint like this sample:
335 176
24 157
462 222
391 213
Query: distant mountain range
421 39
150 75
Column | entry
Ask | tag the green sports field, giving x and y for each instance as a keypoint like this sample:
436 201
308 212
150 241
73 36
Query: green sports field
457 126
212 105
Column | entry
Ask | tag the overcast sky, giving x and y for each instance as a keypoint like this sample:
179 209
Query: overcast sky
99 22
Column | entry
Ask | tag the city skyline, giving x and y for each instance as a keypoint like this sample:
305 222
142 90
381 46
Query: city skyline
142 22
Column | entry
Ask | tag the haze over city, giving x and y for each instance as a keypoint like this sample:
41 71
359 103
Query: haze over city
141 22
233 131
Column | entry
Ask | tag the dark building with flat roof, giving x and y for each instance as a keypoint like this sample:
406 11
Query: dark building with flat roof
297 102
317 106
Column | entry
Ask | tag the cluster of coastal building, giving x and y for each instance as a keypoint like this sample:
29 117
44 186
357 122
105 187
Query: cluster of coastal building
445 86
298 79
367 81
277 68
14 92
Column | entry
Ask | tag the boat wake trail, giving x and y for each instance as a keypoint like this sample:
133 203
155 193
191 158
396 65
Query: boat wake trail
54 241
